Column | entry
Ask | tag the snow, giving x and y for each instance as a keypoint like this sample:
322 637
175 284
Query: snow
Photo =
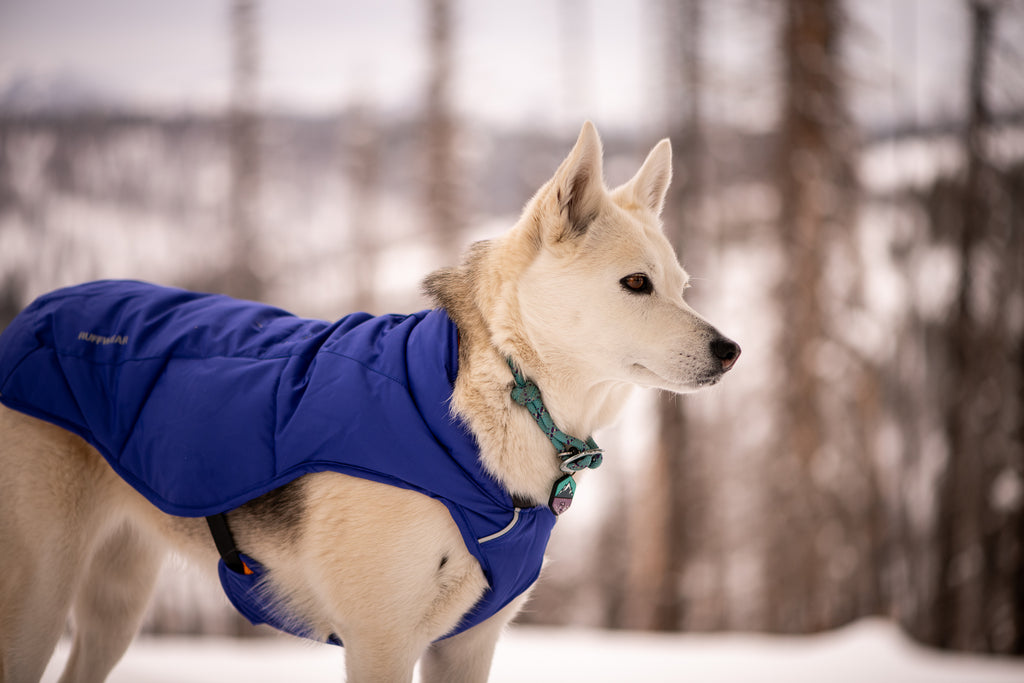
872 650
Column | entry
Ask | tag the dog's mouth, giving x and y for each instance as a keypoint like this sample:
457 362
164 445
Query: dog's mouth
644 376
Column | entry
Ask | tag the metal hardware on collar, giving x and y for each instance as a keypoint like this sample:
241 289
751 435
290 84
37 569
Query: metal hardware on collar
575 454
574 461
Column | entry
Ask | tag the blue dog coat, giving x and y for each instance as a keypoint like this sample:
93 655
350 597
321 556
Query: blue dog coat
202 403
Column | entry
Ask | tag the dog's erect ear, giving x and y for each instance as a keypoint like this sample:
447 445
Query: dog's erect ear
649 186
579 184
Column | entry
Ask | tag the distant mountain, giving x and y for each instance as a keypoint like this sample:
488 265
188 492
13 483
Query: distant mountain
61 93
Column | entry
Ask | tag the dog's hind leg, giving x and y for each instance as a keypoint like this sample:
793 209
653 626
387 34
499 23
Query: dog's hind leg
46 522
62 546
110 603
35 595
466 657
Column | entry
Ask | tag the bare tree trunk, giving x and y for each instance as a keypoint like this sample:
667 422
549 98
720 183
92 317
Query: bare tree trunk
240 278
363 172
653 534
976 529
441 175
809 172
1015 520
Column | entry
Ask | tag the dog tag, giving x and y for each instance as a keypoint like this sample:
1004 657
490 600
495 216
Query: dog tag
561 494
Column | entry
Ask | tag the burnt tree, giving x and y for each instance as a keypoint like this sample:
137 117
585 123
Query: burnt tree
441 169
978 588
814 178
240 277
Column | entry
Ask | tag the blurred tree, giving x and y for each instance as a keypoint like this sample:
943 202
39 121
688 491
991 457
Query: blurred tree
13 280
363 142
979 588
814 178
441 173
10 297
241 277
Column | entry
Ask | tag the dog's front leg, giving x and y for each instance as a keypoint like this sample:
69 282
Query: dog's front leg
384 568
466 657
370 661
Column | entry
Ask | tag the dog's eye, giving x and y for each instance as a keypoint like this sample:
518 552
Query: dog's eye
637 283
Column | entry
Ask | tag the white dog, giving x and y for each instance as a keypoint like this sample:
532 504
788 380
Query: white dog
386 483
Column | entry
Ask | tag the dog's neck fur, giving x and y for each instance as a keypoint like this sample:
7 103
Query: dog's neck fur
512 448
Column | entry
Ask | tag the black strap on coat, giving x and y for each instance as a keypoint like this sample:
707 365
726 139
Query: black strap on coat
226 543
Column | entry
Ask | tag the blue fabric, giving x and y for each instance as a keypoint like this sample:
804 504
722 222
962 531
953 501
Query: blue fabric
202 402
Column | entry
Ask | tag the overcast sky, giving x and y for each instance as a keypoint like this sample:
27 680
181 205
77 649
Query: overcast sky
512 58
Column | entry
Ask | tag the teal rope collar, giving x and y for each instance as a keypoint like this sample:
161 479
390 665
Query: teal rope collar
575 454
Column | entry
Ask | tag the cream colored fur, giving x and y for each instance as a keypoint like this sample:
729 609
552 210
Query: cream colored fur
384 568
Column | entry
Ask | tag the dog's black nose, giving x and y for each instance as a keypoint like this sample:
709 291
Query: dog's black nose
726 351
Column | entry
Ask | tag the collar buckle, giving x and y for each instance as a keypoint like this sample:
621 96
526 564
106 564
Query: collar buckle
574 460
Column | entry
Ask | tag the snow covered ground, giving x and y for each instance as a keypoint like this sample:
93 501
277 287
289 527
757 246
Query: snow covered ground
870 651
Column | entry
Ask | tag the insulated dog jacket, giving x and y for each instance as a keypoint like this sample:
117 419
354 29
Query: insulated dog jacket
202 402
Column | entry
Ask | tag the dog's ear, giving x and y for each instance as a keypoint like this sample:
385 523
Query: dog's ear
578 185
647 189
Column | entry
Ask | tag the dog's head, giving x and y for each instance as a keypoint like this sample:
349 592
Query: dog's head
603 293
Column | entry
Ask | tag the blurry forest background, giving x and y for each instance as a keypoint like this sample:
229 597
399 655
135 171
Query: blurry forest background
849 196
